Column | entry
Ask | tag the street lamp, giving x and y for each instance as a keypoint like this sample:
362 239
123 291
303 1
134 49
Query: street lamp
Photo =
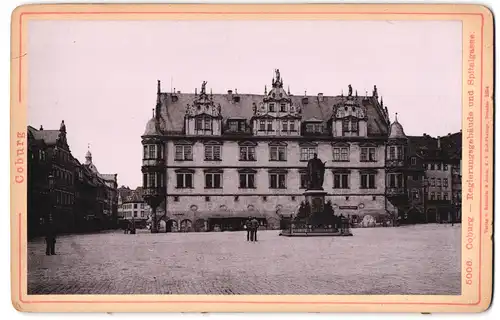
425 185
51 196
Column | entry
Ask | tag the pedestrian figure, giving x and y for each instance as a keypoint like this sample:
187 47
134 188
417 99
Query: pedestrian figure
50 240
254 226
248 227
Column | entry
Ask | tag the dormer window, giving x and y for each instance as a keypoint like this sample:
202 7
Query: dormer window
236 125
349 125
271 107
204 123
314 127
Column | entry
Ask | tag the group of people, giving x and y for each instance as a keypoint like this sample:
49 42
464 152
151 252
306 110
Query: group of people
251 225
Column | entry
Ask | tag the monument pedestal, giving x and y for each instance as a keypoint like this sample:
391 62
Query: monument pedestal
316 200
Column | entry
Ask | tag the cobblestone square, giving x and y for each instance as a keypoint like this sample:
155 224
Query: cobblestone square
422 259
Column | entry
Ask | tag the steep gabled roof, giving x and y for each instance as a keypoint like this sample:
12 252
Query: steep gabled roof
174 105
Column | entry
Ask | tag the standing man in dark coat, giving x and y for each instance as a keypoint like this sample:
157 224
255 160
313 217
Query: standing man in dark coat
50 239
254 226
248 227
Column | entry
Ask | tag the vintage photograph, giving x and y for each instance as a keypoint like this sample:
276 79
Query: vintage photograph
244 157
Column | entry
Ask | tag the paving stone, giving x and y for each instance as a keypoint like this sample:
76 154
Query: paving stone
422 259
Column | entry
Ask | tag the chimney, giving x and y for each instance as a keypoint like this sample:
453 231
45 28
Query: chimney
41 128
439 142
320 97
230 92
305 100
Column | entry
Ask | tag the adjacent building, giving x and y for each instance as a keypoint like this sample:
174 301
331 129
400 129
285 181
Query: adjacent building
61 190
212 160
132 209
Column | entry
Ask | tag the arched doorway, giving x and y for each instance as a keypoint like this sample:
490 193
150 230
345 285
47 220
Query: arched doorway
171 226
186 225
162 226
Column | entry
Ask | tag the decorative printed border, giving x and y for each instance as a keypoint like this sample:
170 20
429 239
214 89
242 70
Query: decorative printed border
466 58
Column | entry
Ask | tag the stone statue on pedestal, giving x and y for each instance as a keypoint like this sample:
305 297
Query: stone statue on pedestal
315 173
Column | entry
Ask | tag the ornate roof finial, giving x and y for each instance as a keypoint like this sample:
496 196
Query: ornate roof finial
195 91
381 101
356 93
41 128
265 89
366 94
375 93
396 118
288 90
342 92
305 93
153 112
350 90
159 87
235 91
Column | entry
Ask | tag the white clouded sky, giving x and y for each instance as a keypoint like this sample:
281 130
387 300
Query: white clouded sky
100 76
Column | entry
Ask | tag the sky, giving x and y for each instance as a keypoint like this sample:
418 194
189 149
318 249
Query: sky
101 76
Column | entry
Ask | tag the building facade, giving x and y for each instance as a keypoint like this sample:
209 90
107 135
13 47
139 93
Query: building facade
71 195
215 159
132 209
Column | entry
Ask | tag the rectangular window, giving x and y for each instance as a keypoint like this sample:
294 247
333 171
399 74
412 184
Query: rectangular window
368 181
213 180
368 154
354 126
212 152
413 161
433 196
142 214
303 180
433 182
277 153
208 124
438 182
345 125
247 180
198 124
284 125
307 153
277 181
269 125
151 180
445 167
247 154
135 214
341 181
392 153
396 180
184 180
432 166
271 107
445 196
183 152
445 182
341 154
283 107
292 125
438 195
262 125
135 205
152 151
233 125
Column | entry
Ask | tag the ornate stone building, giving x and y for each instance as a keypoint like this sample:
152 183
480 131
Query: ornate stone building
215 159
